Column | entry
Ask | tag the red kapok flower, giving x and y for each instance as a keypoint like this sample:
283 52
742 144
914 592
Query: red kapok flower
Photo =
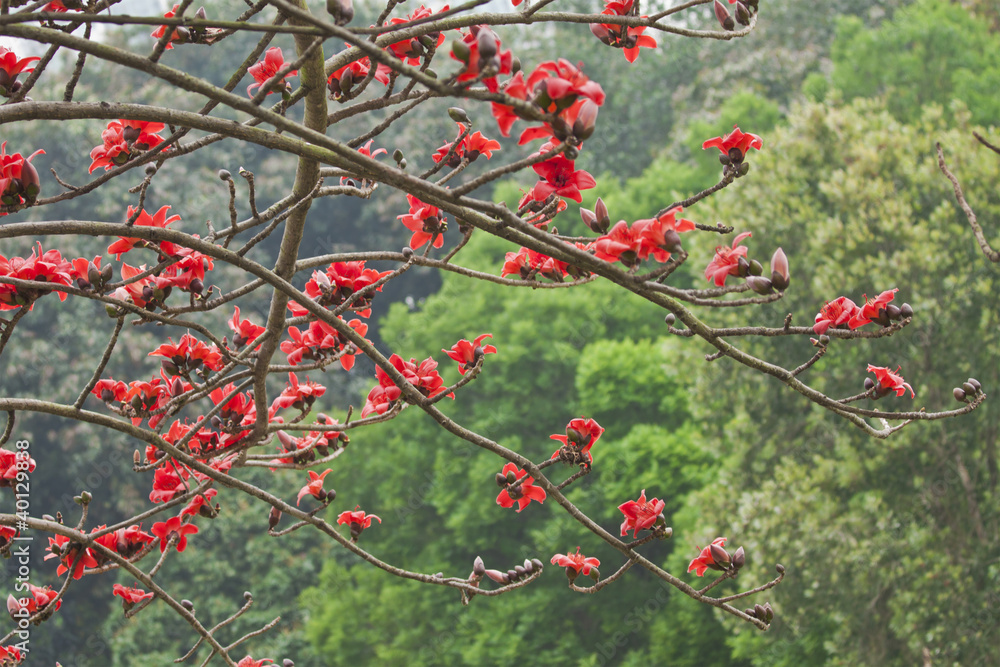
726 261
581 434
266 69
425 221
158 220
246 332
12 463
43 266
131 595
578 562
176 36
173 528
874 310
411 50
465 353
11 66
190 354
470 147
704 561
202 500
523 494
250 662
640 514
342 80
357 520
627 38
834 314
60 547
298 395
559 176
315 488
19 180
890 381
735 144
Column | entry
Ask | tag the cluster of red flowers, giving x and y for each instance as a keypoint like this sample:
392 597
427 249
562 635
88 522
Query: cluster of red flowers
40 598
842 312
43 266
188 356
339 282
629 39
19 182
126 542
122 141
466 146
320 342
527 263
654 236
413 49
423 376
342 80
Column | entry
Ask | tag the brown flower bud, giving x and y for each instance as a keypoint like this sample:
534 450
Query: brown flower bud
273 517
478 568
722 14
975 383
779 270
600 32
742 14
906 310
760 285
720 556
739 558
959 394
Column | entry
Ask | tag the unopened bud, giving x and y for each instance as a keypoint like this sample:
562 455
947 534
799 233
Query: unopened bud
670 319
595 574
779 270
478 568
720 556
976 384
600 32
744 168
187 604
893 312
906 310
743 267
458 115
201 14
739 558
959 394
760 285
273 517
742 14
176 387
461 51
342 11
586 119
487 41
722 14
756 268
106 273
869 384
672 241
136 457
779 568
287 663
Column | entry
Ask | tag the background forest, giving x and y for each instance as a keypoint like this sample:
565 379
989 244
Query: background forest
892 547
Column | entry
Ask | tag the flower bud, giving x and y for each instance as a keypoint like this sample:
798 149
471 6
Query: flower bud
759 611
760 284
672 241
478 568
571 574
824 340
176 387
458 115
969 389
893 312
94 274
590 219
756 269
574 436
106 273
722 14
768 613
187 604
869 384
529 567
906 310
959 394
742 13
779 270
497 576
720 556
744 168
670 319
595 574
487 41
520 570
511 477
743 267
342 11
600 32
287 663
583 127
975 383
537 564
501 480
513 575
201 14
739 558
779 568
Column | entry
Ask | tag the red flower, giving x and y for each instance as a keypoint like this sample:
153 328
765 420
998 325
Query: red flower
505 114
484 53
266 69
470 147
198 502
109 390
44 266
581 434
341 81
523 494
873 310
175 35
19 181
131 540
727 261
560 178
357 520
122 141
250 662
527 263
10 67
319 338
169 481
190 354
465 353
578 562
425 221
890 381
41 597
12 463
315 488
60 547
661 233
704 561
640 514
627 38
158 220
298 395
131 595
246 331
562 83
735 144
411 50
173 528
10 656
834 314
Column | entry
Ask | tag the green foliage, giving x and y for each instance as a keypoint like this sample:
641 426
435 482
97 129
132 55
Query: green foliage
931 52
